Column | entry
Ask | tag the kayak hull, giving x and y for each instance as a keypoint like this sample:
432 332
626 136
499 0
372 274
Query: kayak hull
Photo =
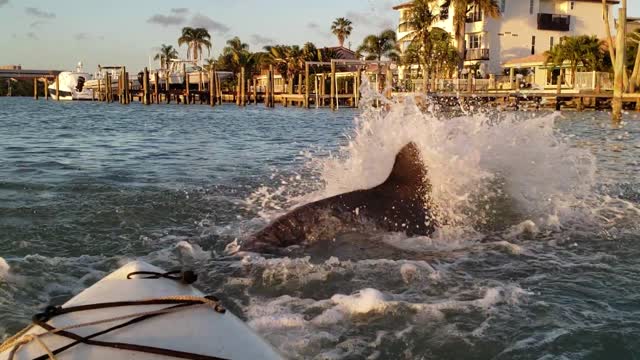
199 330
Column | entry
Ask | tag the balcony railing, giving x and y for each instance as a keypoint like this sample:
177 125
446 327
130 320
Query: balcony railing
556 22
404 27
476 54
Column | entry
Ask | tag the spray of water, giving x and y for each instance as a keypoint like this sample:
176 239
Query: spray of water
491 171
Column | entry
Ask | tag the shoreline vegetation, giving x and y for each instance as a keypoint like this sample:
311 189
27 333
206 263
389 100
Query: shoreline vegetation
436 53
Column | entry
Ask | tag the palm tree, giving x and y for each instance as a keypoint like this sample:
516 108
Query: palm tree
444 56
341 28
209 64
237 53
375 47
419 22
633 59
461 8
577 50
166 53
196 39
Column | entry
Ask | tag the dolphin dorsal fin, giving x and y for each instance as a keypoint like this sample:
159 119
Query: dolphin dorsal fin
408 168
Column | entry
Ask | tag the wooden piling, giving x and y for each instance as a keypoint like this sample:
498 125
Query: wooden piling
323 88
35 88
201 81
559 84
511 75
187 93
127 99
271 87
242 87
212 100
156 87
107 87
120 86
145 86
255 91
121 94
266 90
333 86
306 86
46 89
238 89
99 90
218 89
57 87
356 88
248 91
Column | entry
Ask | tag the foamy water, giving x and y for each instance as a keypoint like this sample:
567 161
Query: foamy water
539 256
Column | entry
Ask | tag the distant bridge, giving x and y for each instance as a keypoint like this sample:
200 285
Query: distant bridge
29 74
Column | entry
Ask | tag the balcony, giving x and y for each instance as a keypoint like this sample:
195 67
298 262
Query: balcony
555 22
476 54
405 27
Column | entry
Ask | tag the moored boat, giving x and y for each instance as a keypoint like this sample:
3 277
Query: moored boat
71 85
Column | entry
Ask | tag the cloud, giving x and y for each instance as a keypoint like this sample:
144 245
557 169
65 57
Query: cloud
178 16
3 2
386 24
370 19
166 20
358 18
179 11
36 24
208 23
315 27
261 40
39 13
32 35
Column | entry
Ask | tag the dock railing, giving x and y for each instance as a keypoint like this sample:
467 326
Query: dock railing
594 80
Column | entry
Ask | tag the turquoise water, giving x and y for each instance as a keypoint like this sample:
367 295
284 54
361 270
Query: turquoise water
85 187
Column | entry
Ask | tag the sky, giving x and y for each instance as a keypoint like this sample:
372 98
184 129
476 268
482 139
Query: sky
47 34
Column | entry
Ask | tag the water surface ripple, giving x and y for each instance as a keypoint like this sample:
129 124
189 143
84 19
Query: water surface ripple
85 187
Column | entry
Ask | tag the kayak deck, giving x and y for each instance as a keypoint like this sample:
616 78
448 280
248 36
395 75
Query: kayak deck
200 330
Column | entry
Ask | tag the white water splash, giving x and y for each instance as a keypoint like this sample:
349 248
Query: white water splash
487 169
4 269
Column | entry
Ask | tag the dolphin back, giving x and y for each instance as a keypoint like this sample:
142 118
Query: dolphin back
400 204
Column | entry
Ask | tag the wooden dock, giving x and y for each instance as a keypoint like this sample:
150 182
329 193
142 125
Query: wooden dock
334 84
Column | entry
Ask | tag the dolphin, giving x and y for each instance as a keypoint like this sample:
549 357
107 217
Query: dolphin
401 203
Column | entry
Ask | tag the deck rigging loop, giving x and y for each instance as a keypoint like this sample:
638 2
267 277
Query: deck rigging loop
186 277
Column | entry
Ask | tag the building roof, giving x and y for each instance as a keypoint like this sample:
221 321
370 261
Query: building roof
403 5
530 60
410 3
343 52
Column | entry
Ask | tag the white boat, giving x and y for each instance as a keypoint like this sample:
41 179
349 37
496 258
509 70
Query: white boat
72 85
175 73
179 323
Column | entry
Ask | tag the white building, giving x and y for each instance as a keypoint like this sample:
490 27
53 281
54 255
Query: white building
526 28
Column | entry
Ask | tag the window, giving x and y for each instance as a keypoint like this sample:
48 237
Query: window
551 43
533 45
531 6
475 15
444 12
474 41
503 6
